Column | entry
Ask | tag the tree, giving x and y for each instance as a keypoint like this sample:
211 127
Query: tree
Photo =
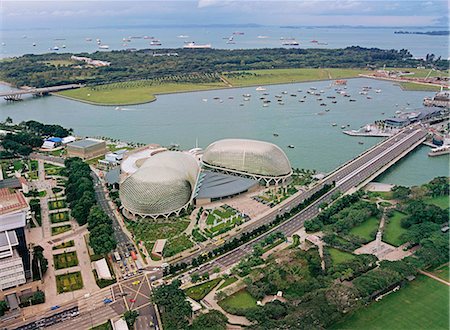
130 317
3 307
400 192
174 307
101 239
213 320
39 264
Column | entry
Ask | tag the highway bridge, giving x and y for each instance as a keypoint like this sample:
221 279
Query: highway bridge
16 95
347 178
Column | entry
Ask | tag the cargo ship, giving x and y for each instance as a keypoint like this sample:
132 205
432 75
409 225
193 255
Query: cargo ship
193 45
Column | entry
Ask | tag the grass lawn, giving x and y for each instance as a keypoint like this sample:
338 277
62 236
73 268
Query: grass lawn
385 194
410 86
59 217
121 94
338 256
198 292
422 304
105 326
393 230
52 169
149 232
60 229
276 76
177 245
230 280
366 229
69 282
241 300
64 245
65 260
441 201
422 73
443 272
60 62
58 204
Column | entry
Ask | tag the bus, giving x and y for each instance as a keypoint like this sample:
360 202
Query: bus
117 256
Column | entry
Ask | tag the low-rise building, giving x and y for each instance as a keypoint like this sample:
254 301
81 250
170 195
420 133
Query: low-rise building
86 149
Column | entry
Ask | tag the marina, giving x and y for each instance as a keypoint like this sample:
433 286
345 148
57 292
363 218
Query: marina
318 143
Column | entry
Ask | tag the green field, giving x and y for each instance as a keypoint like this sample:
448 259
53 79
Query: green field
199 292
118 94
59 217
443 272
278 76
441 201
338 256
393 230
410 86
177 245
150 231
60 229
422 73
65 260
367 229
69 282
241 300
230 280
422 304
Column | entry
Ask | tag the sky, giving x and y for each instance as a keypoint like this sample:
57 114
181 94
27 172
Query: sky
64 14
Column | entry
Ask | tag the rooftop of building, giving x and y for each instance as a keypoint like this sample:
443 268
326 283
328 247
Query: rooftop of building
85 143
11 201
218 185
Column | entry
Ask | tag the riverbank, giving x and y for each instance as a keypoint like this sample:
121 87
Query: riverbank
121 94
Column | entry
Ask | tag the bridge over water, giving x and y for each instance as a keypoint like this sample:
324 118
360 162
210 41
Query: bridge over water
16 95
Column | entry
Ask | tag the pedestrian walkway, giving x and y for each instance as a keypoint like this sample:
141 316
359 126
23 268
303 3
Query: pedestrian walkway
434 277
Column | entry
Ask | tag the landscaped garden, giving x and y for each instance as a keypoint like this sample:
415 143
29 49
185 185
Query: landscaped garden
228 281
393 229
69 282
61 229
57 204
276 195
59 217
177 245
440 201
422 304
238 302
198 292
64 245
65 260
221 220
52 169
367 229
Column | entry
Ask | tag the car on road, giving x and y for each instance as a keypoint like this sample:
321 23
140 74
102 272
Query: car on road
132 300
107 301
54 307
136 282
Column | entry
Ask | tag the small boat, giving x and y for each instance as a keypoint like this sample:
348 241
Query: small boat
56 48
220 101
266 101
88 39
323 104
118 108
216 98
299 90
360 142
352 100
281 103
230 97
348 125
266 94
246 99
126 39
103 47
284 92
294 95
291 146
290 43
301 100
262 37
241 104
382 113
193 45
333 124
260 88
182 36
369 97
238 33
147 37
378 91
246 95
314 41
34 44
333 101
275 134
319 99
63 46
155 43
205 100
343 126
265 105
327 110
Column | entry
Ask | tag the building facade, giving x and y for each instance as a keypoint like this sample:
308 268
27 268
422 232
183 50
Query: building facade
86 149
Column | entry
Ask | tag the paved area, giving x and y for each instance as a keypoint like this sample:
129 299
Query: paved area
434 277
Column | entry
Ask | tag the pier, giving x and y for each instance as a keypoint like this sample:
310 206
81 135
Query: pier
17 95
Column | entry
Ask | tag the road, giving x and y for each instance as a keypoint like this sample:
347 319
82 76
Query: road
346 177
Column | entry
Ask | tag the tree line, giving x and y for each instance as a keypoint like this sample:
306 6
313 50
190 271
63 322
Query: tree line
38 70
80 195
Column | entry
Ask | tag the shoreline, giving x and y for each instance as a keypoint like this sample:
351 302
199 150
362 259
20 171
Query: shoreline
203 90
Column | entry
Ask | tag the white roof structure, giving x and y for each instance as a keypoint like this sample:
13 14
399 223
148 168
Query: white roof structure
68 139
163 185
257 159
101 267
132 161
48 145
120 324
195 305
